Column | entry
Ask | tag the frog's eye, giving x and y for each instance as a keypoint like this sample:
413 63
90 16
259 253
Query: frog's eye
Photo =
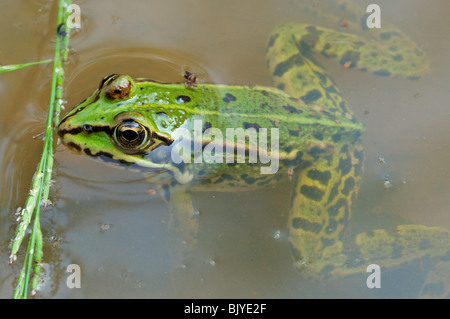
130 136
118 88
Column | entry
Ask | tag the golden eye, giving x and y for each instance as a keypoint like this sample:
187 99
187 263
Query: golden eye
130 136
119 88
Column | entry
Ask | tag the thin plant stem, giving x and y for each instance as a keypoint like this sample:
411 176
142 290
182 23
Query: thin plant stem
38 195
14 67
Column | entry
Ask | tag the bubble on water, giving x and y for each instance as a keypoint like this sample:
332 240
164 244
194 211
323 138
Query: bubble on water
302 264
277 234
387 182
210 262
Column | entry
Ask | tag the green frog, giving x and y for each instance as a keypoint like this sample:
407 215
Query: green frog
302 129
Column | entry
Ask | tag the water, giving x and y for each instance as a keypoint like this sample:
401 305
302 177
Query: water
105 220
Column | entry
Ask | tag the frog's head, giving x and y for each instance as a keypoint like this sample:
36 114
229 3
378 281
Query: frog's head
114 122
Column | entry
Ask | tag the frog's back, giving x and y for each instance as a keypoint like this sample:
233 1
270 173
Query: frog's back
300 125
302 132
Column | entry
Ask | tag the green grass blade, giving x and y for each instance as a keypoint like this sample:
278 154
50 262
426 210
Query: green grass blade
13 67
38 196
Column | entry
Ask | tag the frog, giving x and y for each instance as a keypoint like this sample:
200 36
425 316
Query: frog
174 132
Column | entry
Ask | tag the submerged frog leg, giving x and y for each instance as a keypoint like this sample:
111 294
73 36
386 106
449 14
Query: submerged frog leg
324 189
391 248
437 284
182 214
294 72
289 51
183 244
325 185
326 180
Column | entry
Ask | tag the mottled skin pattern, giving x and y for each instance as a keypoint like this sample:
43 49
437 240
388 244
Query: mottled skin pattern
318 141
326 186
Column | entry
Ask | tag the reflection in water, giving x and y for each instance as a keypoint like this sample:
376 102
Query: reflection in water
107 221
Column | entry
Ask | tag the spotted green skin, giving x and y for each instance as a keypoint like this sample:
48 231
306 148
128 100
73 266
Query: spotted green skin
158 106
319 142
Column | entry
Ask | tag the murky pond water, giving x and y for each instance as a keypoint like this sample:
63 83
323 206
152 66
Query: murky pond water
104 218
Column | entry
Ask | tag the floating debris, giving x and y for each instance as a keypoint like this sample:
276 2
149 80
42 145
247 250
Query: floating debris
343 23
302 264
210 262
348 64
46 202
277 234
104 227
387 182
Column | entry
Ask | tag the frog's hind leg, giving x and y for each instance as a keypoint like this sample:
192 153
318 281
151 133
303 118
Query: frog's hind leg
392 247
294 71
321 200
290 49
320 207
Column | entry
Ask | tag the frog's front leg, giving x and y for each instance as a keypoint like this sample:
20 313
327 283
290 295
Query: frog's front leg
182 245
183 219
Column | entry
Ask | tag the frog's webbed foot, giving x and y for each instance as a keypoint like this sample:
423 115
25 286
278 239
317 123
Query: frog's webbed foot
389 53
409 243
321 200
437 284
